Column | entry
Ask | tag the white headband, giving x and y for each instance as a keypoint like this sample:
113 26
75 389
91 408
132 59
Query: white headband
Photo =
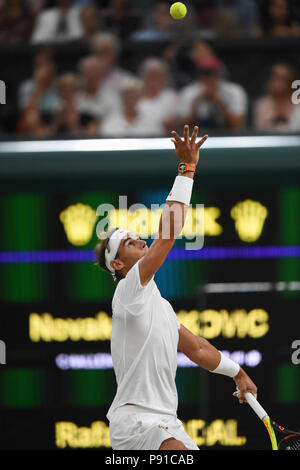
114 243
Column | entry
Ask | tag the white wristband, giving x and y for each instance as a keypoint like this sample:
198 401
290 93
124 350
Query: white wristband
226 367
182 190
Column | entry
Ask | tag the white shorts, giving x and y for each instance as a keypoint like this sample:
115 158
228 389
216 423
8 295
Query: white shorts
137 428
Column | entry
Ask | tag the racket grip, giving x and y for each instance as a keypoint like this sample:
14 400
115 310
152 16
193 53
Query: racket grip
256 407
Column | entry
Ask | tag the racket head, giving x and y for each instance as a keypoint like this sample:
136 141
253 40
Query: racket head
269 427
290 442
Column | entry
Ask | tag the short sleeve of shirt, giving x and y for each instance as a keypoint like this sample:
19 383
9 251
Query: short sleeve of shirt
177 321
131 294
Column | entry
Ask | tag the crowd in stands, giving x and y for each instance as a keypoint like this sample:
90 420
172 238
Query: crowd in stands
98 97
40 21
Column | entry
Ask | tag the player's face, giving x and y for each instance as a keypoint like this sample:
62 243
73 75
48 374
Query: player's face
131 249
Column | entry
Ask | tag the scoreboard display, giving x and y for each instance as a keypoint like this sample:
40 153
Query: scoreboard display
240 290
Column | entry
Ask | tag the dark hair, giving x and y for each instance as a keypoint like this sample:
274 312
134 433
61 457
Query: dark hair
100 255
266 20
288 67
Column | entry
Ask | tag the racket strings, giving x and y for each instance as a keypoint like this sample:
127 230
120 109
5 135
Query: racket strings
290 443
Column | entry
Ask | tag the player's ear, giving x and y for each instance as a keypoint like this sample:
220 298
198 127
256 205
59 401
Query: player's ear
117 264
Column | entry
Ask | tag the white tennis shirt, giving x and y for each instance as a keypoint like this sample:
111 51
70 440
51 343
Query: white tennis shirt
144 343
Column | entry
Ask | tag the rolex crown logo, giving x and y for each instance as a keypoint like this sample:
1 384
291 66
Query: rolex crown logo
249 217
79 222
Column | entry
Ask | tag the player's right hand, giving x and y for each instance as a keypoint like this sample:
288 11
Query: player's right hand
244 384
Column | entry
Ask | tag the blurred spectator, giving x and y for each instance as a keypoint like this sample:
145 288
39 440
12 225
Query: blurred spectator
158 25
205 14
106 47
158 102
35 6
184 66
121 19
58 24
211 101
226 17
40 92
41 56
199 51
32 125
69 119
277 18
237 17
16 21
92 98
129 121
90 19
275 111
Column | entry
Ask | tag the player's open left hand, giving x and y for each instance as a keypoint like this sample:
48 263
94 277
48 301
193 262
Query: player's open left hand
188 149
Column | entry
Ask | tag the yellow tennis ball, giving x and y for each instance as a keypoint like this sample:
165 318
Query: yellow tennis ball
178 10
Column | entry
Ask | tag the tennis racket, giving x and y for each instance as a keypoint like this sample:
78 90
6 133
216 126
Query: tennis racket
291 440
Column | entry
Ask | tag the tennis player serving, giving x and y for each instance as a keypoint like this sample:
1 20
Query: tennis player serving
145 333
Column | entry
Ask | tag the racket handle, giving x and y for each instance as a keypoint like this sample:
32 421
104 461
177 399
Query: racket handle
256 407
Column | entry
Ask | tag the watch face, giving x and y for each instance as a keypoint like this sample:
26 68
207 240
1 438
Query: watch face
182 167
